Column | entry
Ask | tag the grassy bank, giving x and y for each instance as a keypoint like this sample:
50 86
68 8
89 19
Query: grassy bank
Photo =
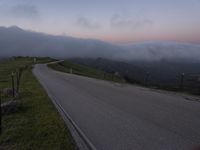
7 66
36 125
69 67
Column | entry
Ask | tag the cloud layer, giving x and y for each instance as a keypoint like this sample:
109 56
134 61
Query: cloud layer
25 11
15 41
123 22
86 23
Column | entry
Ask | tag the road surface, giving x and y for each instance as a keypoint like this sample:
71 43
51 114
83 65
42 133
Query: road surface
125 117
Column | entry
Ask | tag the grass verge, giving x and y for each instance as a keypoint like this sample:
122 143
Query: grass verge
67 66
37 124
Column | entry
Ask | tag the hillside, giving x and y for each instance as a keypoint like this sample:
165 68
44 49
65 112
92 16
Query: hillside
163 73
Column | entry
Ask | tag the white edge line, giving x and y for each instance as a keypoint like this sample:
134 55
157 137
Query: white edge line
65 116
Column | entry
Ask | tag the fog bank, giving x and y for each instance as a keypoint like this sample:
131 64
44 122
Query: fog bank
17 42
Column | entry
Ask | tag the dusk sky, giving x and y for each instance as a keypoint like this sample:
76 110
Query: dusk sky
118 21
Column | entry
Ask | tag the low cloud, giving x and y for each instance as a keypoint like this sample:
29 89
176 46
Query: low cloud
25 11
120 20
18 42
86 23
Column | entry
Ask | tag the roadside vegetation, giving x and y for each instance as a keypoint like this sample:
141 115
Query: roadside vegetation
177 77
73 68
36 124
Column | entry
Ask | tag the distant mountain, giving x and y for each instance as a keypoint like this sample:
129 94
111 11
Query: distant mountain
15 41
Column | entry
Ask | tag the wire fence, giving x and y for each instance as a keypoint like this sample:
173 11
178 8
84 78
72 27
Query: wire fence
11 93
187 82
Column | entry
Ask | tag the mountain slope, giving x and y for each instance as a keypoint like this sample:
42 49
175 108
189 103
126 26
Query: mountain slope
162 73
15 41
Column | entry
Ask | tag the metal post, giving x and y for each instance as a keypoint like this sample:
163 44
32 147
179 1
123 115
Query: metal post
71 71
34 60
13 85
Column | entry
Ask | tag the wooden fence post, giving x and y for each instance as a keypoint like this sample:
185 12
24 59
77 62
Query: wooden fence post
13 85
17 82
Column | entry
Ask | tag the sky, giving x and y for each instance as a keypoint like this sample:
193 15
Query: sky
115 21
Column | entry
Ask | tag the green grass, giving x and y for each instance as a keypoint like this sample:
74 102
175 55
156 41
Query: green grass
37 124
66 66
10 65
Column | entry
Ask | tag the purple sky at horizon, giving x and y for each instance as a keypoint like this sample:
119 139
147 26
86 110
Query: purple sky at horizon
118 21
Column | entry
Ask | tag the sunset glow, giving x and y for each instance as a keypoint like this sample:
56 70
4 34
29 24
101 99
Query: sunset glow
118 21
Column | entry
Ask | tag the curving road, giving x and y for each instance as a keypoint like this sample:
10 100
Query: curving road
124 117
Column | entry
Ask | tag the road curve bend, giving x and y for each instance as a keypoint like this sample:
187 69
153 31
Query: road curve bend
124 117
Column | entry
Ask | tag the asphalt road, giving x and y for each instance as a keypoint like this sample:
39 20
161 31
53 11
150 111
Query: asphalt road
125 117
